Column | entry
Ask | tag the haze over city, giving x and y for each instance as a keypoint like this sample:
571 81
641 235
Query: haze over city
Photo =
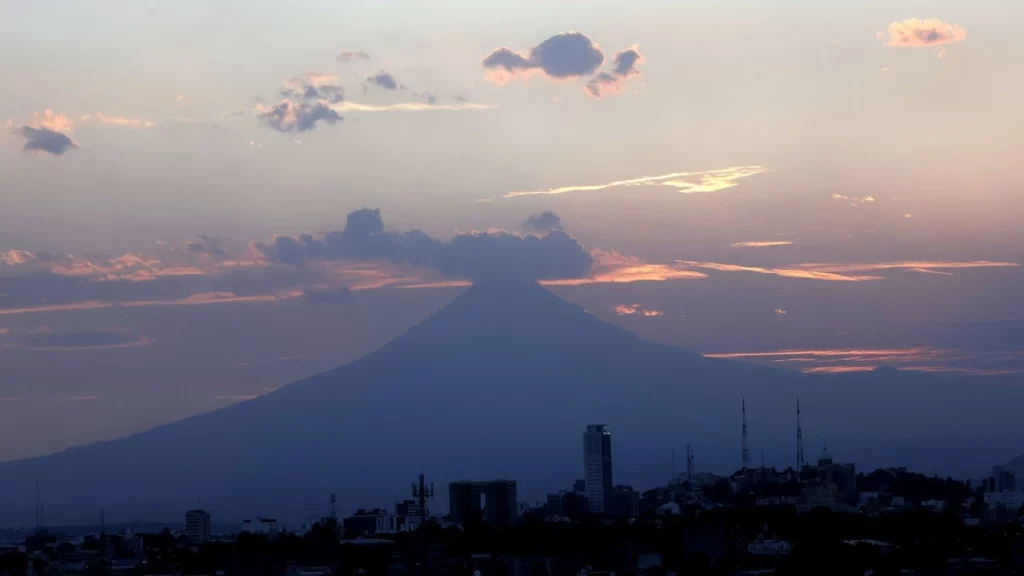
204 202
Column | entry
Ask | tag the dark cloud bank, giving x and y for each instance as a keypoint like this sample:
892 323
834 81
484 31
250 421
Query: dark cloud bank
544 222
477 255
565 55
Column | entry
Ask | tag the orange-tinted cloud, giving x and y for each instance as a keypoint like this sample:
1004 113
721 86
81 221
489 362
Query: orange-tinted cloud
637 310
760 244
916 33
683 182
799 273
117 121
613 268
854 200
916 265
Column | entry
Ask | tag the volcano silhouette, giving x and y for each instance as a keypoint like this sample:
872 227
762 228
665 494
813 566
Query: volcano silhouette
499 383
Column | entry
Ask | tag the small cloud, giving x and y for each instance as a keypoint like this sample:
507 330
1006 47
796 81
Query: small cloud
760 244
73 398
562 56
384 80
942 54
9 399
884 69
48 132
179 98
544 222
853 200
908 215
327 295
834 43
289 115
426 97
601 84
314 86
780 312
624 64
637 310
916 33
46 140
210 245
351 56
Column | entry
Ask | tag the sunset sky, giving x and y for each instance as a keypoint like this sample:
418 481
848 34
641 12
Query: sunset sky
816 185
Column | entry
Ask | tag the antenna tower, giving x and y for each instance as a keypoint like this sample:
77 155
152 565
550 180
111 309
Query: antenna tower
689 463
799 439
422 493
746 450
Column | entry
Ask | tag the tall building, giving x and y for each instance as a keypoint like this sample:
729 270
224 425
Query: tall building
1003 480
197 526
496 501
597 467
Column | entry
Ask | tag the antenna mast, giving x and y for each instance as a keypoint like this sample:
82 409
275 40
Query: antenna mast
422 493
689 463
746 450
799 439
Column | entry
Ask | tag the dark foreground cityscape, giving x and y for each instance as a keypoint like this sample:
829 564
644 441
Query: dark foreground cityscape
819 517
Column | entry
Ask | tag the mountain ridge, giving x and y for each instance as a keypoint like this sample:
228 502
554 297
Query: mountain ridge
498 383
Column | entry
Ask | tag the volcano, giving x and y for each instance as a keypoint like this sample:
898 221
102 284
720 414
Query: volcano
501 383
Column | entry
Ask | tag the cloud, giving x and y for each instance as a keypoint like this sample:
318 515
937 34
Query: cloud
9 399
384 80
562 56
842 272
73 398
473 255
804 274
346 107
780 312
209 245
602 84
916 33
48 132
760 244
683 182
942 54
84 340
314 86
290 116
615 268
426 97
544 222
853 200
908 215
637 310
339 295
350 56
117 121
626 62
884 69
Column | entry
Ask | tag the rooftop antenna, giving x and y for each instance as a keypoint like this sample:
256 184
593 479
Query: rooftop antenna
746 450
422 493
799 439
689 463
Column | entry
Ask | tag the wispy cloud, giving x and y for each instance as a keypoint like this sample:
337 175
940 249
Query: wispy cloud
799 273
917 33
615 268
352 55
73 398
9 399
760 244
117 121
346 107
854 200
684 182
842 272
637 310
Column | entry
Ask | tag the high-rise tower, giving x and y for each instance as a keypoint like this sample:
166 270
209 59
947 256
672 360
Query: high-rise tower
799 439
597 467
746 448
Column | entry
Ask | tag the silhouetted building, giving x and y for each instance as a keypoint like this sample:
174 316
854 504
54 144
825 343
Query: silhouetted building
568 504
260 525
1003 480
197 526
495 501
597 466
369 522
407 515
828 476
580 486
623 501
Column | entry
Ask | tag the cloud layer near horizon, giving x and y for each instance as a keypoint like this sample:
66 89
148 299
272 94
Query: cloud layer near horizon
474 255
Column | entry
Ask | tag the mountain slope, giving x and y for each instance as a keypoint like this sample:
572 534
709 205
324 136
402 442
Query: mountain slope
499 383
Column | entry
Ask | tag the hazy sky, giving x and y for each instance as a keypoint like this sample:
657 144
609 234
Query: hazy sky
837 181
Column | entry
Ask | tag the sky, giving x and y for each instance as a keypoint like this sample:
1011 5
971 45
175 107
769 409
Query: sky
814 185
